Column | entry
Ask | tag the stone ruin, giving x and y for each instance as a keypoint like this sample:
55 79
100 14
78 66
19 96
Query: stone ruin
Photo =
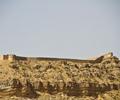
9 57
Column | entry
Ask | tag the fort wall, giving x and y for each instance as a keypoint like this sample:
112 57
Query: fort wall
11 57
14 57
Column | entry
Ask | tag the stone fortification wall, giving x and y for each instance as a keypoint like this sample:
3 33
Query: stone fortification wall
11 57
96 60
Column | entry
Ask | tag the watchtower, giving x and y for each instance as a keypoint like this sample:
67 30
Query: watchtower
11 57
8 57
3 57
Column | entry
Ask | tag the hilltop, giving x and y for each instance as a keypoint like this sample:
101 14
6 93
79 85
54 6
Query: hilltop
40 78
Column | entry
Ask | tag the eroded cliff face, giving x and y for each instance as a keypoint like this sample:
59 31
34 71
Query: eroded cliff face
61 79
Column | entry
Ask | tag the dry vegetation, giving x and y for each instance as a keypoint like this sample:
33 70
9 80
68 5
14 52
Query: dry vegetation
60 79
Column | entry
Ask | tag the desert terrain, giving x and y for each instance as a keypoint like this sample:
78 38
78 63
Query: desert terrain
30 78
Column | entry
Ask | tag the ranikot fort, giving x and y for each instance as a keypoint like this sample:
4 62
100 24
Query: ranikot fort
44 78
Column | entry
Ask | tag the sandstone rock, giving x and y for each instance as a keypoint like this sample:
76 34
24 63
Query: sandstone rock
16 83
28 90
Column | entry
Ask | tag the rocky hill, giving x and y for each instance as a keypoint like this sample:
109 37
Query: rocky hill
60 79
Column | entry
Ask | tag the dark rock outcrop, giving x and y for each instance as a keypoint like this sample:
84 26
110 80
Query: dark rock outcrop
28 90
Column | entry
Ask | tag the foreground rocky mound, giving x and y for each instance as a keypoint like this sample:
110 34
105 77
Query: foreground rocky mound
60 79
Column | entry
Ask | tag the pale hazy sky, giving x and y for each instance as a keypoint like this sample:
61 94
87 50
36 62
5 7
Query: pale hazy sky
60 28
